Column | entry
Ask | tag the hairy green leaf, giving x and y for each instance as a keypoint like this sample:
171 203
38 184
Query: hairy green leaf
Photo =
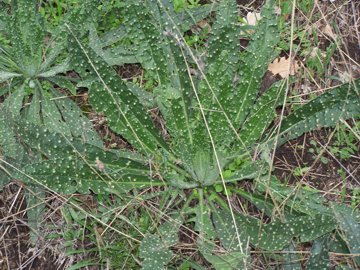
155 254
262 114
254 62
273 236
301 200
319 257
4 75
292 260
75 175
125 113
227 261
217 93
169 230
139 52
341 102
348 221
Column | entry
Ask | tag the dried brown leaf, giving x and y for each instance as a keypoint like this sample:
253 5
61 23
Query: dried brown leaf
252 18
281 66
329 32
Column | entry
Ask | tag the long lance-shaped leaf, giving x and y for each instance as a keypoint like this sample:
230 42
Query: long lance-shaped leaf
51 115
52 71
4 75
54 145
149 39
273 236
341 102
112 97
203 224
32 112
183 19
261 115
35 211
79 125
10 149
74 166
124 53
113 56
174 99
77 17
14 103
63 82
254 62
217 91
176 79
174 91
6 63
9 146
70 176
306 201
26 35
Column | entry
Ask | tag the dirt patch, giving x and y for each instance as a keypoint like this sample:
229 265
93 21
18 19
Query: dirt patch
353 50
16 251
295 162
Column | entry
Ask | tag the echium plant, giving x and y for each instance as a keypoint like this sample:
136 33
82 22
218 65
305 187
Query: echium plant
218 121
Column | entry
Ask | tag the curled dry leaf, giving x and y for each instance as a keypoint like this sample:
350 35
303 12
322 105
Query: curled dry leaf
204 24
281 66
252 18
329 32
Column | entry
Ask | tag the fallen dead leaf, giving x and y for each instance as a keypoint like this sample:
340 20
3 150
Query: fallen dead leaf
281 66
329 32
252 18
203 24
345 77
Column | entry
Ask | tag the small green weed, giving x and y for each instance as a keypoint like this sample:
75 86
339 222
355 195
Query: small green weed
301 171
317 150
54 10
180 5
344 145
